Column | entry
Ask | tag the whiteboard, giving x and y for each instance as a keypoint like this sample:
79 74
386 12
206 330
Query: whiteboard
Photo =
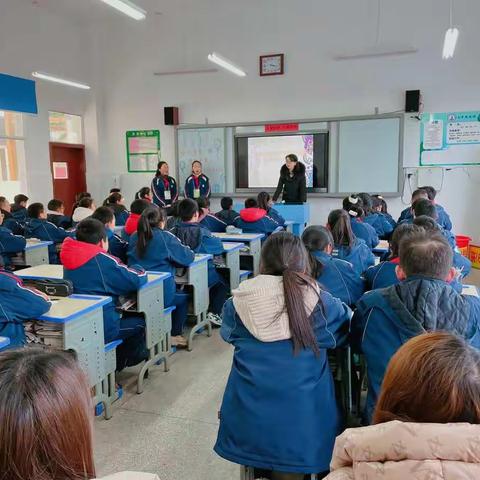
368 155
208 146
460 155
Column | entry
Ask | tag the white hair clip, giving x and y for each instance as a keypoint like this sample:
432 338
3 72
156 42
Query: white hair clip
353 200
352 213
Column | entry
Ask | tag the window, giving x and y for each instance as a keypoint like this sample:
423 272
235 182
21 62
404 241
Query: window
12 155
65 128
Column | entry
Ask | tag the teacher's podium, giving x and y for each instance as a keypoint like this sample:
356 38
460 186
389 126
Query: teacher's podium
299 214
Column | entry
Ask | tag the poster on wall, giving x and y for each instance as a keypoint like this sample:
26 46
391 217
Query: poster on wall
143 150
451 138
60 170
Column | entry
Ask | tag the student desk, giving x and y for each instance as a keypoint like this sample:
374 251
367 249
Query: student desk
254 242
80 319
196 276
470 290
298 214
231 257
4 342
149 303
36 252
382 247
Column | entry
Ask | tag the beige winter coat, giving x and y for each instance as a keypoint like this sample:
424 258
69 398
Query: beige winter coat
403 451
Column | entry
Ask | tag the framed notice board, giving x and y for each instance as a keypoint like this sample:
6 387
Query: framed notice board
143 150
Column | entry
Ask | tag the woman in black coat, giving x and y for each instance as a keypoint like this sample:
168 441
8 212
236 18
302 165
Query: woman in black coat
292 183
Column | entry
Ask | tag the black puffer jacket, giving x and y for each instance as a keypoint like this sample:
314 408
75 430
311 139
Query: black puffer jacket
292 187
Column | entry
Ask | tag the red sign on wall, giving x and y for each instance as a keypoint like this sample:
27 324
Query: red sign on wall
281 127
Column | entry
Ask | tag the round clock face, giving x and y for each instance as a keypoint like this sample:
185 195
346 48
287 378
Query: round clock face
272 64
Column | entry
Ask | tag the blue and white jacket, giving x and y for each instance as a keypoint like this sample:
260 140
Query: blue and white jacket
214 224
365 232
10 244
203 187
158 189
359 255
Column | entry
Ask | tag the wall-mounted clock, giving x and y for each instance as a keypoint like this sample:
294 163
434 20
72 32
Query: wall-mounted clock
272 64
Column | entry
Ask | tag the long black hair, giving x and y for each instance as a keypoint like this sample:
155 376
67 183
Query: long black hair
159 166
151 218
381 201
284 254
142 193
262 199
366 203
316 239
112 199
339 223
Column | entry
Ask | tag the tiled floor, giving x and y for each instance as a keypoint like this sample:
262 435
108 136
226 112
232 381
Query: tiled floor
170 429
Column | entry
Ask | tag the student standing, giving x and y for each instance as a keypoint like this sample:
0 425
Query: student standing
292 184
336 276
46 418
279 410
422 301
427 418
266 203
346 245
197 184
353 206
158 250
164 187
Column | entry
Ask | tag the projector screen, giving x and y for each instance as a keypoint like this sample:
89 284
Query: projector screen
259 159
266 154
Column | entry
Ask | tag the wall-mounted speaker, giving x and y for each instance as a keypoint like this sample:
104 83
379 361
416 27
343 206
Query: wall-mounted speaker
171 115
412 101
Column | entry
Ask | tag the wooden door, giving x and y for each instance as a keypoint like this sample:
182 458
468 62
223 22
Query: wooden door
67 164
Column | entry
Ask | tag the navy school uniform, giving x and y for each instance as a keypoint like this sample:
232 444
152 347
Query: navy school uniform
389 219
387 318
274 215
59 220
95 272
10 244
19 214
443 217
116 245
121 213
359 255
18 304
10 223
48 232
165 253
279 409
165 191
256 220
339 278
196 187
227 216
213 224
379 223
365 232
201 240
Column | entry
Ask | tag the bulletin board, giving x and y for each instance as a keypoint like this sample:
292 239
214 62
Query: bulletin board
451 138
143 150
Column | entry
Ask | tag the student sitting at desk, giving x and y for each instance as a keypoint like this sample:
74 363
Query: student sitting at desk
39 227
255 220
8 220
336 276
115 202
145 193
116 246
382 208
46 403
10 244
93 271
279 410
208 220
265 202
373 217
443 217
17 305
201 240
227 214
85 209
346 245
157 250
422 301
136 209
56 214
19 208
353 206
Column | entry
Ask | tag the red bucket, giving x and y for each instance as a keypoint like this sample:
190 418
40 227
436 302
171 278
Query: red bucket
463 243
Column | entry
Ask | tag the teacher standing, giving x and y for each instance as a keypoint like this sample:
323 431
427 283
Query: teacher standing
292 183
164 187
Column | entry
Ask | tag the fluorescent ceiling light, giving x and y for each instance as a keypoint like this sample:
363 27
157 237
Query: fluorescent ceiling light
128 8
226 64
450 42
51 78
376 52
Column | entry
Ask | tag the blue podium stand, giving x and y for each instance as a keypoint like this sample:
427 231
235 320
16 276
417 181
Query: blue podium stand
298 214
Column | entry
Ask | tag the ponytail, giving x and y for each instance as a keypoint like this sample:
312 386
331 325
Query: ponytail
316 239
339 223
284 254
151 218
142 193
113 198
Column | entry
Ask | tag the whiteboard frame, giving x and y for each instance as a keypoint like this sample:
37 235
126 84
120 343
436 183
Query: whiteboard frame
242 192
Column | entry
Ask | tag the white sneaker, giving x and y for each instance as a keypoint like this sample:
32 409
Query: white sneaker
179 341
215 319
